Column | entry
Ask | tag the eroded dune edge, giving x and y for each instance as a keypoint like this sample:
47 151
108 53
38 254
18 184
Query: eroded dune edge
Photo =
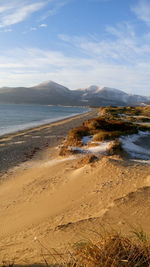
92 185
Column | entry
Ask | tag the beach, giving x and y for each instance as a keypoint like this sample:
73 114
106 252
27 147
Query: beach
48 202
23 145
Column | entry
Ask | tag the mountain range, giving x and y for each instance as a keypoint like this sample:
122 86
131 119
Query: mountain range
51 93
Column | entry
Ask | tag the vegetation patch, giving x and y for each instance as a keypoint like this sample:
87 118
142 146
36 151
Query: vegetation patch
115 148
113 250
108 125
104 135
75 135
64 151
101 129
126 112
112 123
88 159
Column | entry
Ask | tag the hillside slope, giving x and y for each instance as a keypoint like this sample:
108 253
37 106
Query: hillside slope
51 93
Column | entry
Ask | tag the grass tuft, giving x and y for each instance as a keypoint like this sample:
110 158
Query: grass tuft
113 250
75 135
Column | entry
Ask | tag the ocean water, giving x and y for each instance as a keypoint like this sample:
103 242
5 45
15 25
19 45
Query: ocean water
15 117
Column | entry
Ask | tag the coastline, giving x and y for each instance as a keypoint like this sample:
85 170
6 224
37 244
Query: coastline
35 124
56 201
21 146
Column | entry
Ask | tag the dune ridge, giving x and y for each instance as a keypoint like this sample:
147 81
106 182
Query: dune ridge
55 201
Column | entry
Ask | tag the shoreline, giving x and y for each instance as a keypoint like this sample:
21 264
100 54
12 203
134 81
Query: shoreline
21 146
43 124
56 201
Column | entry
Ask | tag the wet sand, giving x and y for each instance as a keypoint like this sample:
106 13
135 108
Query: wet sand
22 146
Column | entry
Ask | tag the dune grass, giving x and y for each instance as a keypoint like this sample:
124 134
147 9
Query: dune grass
113 251
105 135
111 123
101 129
75 135
116 112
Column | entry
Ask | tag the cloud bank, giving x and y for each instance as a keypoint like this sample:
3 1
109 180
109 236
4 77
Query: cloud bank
120 58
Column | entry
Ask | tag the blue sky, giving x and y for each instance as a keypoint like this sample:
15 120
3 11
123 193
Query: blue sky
76 43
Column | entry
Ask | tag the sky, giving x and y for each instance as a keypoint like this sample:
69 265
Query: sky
76 43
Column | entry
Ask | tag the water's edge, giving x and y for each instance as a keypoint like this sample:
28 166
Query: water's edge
44 123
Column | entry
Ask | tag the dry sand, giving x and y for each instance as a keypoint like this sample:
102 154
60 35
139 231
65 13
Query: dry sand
52 201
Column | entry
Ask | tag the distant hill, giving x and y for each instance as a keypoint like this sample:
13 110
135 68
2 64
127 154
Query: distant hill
51 93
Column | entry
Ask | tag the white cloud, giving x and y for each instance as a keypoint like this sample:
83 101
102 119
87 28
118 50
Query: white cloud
26 67
12 12
120 60
43 25
142 11
121 46
16 11
56 5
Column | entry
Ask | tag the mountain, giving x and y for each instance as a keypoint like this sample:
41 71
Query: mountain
45 93
51 93
110 96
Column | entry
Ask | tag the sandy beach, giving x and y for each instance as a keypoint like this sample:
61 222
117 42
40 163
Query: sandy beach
48 202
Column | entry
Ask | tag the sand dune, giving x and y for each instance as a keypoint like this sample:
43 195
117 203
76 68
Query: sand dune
56 203
50 201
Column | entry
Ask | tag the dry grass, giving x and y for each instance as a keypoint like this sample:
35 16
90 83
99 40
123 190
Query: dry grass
144 111
87 159
112 123
115 148
112 251
101 129
128 111
64 150
144 127
103 135
75 135
109 125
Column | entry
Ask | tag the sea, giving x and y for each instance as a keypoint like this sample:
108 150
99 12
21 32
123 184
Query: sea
16 117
